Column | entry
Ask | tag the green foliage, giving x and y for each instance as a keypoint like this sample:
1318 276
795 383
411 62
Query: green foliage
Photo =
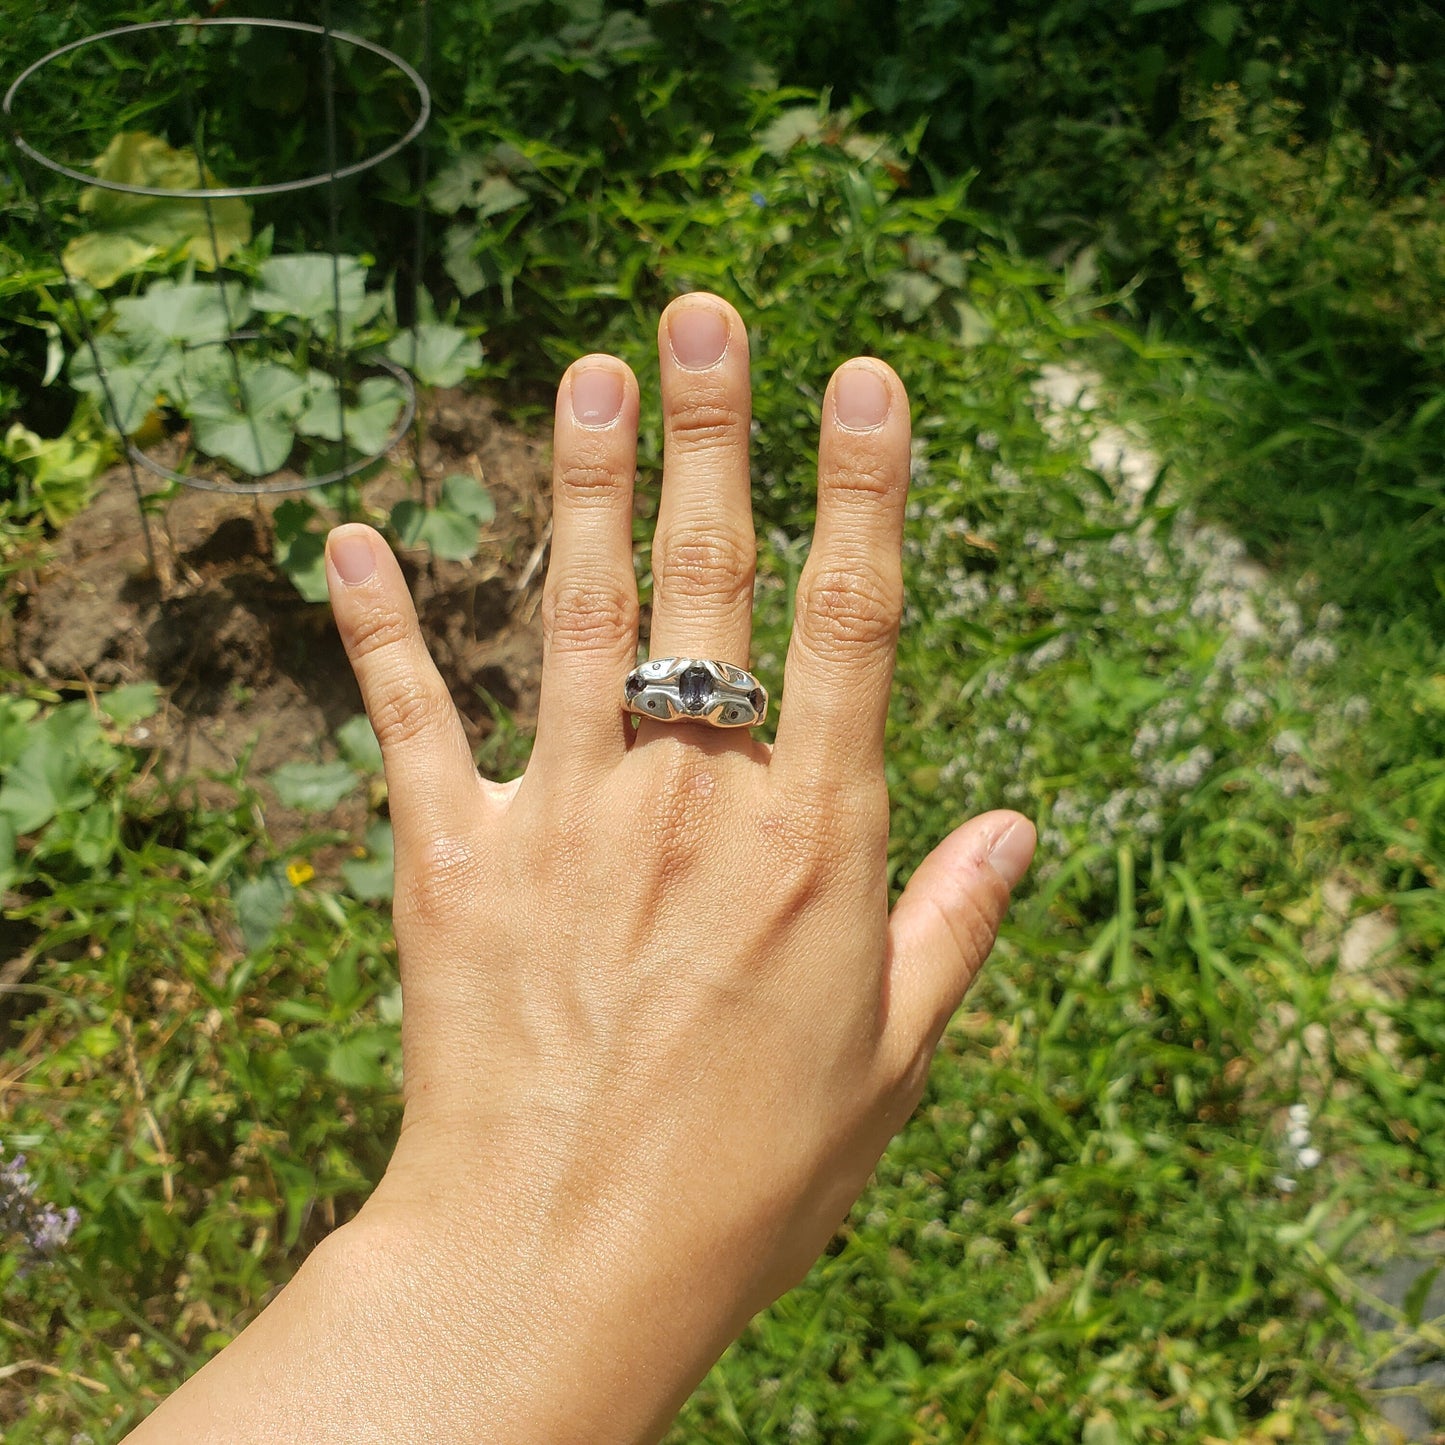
449 528
53 476
125 234
52 771
435 354
1093 1228
1278 237
300 550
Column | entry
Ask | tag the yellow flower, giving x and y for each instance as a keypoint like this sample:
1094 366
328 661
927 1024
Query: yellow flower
300 872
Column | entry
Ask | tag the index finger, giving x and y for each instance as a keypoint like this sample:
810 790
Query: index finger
850 596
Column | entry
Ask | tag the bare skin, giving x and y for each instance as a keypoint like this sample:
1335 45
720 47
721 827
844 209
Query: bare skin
659 1024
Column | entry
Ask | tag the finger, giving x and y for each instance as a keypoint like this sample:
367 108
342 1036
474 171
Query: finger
589 600
704 552
945 924
432 785
850 596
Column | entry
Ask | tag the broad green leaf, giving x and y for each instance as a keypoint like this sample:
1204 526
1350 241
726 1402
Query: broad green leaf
61 468
313 787
465 494
436 354
369 424
371 878
459 262
103 257
408 517
360 1061
449 535
300 552
1220 22
16 716
358 743
256 431
191 314
138 376
90 836
124 232
9 866
470 183
50 775
304 286
130 704
343 981
260 904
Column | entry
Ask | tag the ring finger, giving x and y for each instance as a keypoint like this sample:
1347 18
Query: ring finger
704 552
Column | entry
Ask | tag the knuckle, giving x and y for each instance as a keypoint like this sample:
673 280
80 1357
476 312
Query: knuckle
579 614
441 879
862 481
377 630
584 482
803 847
405 713
720 566
844 610
704 421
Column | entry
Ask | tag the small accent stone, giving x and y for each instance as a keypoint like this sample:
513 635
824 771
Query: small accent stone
694 687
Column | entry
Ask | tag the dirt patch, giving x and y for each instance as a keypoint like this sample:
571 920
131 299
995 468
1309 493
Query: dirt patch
250 671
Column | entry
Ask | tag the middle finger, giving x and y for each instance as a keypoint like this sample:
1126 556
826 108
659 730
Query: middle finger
704 552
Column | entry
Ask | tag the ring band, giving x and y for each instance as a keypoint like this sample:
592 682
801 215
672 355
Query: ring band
695 689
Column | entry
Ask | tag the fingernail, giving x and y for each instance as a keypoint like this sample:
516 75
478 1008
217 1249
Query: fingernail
351 555
860 401
1012 851
698 336
597 396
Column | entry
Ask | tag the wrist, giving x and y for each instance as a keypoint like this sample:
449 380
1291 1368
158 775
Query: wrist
533 1323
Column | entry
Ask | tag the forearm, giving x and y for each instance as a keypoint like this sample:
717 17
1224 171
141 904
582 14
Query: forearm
455 1333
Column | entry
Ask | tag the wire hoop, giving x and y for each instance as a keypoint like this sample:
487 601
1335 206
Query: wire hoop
193 193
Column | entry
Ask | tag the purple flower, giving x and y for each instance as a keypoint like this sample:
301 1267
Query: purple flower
41 1228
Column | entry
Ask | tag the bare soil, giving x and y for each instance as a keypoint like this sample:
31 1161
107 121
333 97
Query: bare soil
248 669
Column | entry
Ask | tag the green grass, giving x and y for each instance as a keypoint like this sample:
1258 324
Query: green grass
1094 1228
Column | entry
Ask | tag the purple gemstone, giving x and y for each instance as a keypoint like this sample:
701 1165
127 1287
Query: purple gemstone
632 686
759 699
694 687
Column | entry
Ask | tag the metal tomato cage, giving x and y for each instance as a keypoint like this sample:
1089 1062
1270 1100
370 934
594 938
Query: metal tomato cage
20 99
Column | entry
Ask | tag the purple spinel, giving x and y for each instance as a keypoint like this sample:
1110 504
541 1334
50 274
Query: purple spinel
694 687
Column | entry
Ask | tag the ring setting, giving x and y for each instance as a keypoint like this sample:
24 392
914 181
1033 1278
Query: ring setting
695 689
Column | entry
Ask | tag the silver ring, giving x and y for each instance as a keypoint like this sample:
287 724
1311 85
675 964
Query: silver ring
695 689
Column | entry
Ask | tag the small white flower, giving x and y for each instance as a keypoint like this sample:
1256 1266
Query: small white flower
1288 744
1356 710
1312 652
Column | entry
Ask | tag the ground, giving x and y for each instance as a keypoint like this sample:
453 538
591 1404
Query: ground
244 662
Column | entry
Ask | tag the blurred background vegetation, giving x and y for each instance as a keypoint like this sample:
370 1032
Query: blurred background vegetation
1174 1134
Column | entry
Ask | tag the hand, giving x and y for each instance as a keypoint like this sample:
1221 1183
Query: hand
658 1024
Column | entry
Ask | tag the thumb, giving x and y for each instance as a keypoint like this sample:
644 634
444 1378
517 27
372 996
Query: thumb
945 924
